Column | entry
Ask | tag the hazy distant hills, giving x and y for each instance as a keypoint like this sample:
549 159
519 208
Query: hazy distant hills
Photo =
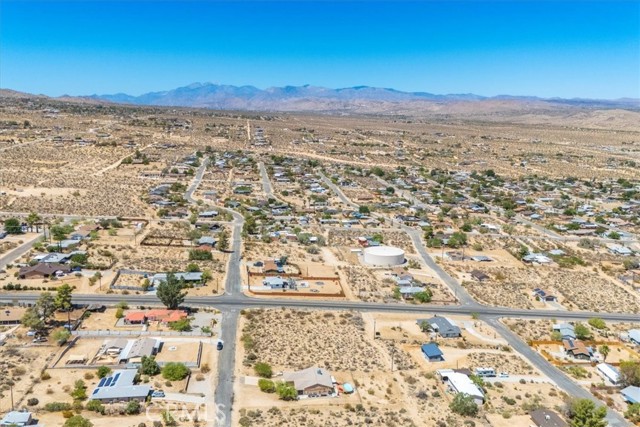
358 99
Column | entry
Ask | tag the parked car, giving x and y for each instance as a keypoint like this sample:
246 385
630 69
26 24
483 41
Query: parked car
39 339
220 345
158 393
503 375
32 333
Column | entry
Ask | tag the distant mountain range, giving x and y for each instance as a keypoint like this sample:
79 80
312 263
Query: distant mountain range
358 99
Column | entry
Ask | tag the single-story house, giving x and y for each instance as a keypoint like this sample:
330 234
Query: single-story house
631 394
18 419
444 326
479 275
459 382
432 352
207 241
208 214
119 387
620 250
577 349
608 372
407 292
537 258
634 336
11 315
193 277
135 349
310 382
157 315
275 282
547 418
544 296
42 271
567 331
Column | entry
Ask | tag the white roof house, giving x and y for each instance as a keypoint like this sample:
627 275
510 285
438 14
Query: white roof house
461 383
16 418
634 335
608 372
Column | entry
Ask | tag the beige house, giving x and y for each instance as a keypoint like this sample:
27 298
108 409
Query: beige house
310 382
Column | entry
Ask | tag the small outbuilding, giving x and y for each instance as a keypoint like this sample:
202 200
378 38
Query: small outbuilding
432 352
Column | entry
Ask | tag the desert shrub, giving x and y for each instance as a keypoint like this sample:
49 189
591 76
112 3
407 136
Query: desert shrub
263 369
266 386
57 406
175 371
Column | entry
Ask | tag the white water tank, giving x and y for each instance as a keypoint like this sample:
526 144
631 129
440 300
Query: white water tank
383 256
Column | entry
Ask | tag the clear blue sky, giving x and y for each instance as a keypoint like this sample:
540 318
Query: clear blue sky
544 48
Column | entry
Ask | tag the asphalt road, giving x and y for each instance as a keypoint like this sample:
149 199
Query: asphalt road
559 377
11 256
266 182
223 396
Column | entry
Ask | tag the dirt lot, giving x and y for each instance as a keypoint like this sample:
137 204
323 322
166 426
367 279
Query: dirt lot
577 289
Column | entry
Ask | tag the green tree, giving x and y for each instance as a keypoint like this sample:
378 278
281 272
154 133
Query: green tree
193 268
582 332
286 391
59 232
175 371
79 390
32 320
423 296
597 323
604 351
364 209
629 373
633 413
263 369
223 241
170 292
182 325
63 297
614 235
45 306
61 335
149 366
266 386
12 226
103 371
464 404
583 413
32 219
457 239
78 421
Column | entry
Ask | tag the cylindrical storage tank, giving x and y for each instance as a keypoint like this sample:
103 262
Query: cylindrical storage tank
383 256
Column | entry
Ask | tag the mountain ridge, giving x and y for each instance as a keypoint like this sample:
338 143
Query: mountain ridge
318 98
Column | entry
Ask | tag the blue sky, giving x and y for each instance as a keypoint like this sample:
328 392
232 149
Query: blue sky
544 48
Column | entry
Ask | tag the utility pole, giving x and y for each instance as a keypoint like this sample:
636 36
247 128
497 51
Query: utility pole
11 391
393 353
374 329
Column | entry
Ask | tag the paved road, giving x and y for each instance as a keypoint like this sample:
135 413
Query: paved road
266 182
223 395
559 377
13 255
338 192
460 292
239 301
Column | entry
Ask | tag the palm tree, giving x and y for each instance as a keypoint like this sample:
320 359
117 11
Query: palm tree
32 220
604 351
